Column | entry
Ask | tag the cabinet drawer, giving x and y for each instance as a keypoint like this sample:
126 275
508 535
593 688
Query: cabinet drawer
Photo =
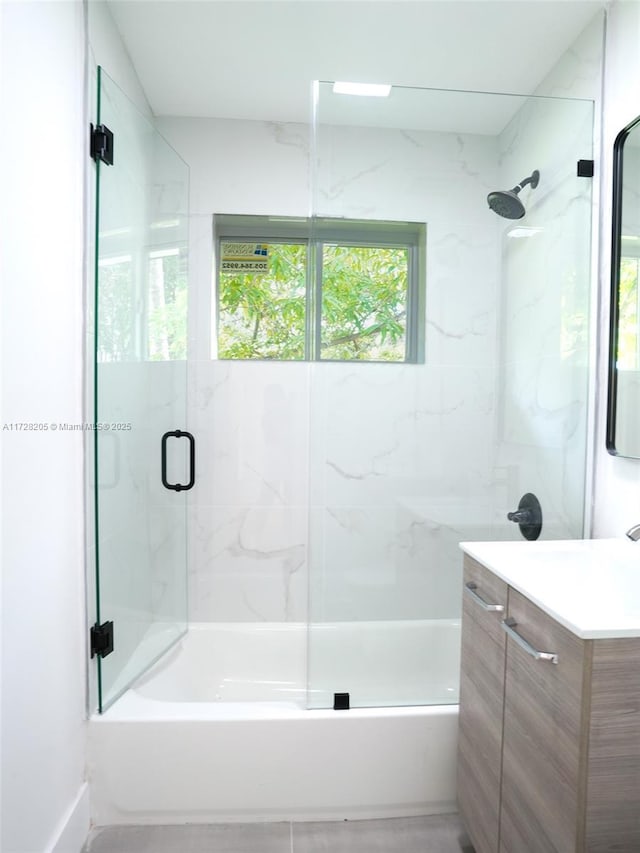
542 775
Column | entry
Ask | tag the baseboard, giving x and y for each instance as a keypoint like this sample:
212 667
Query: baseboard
74 826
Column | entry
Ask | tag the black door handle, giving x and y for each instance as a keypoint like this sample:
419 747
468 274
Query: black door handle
178 487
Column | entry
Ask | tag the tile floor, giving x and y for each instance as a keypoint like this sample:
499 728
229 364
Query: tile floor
436 834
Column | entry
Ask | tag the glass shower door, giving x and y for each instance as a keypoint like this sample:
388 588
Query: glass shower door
408 459
140 393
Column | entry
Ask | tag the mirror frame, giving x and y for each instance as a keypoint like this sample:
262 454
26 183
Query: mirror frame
616 253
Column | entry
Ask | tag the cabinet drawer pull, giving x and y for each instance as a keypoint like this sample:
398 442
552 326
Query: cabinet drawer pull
471 588
509 626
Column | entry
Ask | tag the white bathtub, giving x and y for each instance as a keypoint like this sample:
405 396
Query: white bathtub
219 729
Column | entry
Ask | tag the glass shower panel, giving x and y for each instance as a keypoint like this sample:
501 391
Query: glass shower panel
408 460
140 391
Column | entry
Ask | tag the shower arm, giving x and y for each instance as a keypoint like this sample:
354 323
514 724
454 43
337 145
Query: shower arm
533 179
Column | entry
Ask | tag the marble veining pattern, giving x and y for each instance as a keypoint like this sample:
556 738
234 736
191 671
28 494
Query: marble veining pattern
360 479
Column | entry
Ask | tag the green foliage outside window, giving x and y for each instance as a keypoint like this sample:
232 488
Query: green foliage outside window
363 305
263 316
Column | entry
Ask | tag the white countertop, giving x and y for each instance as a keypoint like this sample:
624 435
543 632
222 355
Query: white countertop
591 586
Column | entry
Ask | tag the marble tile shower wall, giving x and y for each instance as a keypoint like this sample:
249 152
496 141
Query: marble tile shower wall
248 511
382 454
248 539
356 481
546 292
401 454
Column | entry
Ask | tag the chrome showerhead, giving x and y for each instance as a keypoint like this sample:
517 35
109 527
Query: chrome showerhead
506 203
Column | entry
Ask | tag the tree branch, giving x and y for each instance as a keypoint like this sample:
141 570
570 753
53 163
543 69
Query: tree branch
256 326
356 336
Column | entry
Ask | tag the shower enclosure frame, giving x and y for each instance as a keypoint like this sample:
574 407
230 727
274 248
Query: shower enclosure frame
151 752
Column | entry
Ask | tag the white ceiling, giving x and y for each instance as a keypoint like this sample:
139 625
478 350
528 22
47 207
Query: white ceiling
256 59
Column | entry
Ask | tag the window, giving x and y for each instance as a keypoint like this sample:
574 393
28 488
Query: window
321 289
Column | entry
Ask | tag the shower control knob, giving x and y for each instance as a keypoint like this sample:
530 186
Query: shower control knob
521 516
528 516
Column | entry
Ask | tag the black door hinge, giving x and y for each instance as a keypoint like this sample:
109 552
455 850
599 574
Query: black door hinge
101 146
102 639
585 168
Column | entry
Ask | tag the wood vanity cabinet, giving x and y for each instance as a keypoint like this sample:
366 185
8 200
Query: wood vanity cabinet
481 705
549 753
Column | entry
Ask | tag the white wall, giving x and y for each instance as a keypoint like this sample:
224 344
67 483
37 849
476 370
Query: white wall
107 49
44 804
617 483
